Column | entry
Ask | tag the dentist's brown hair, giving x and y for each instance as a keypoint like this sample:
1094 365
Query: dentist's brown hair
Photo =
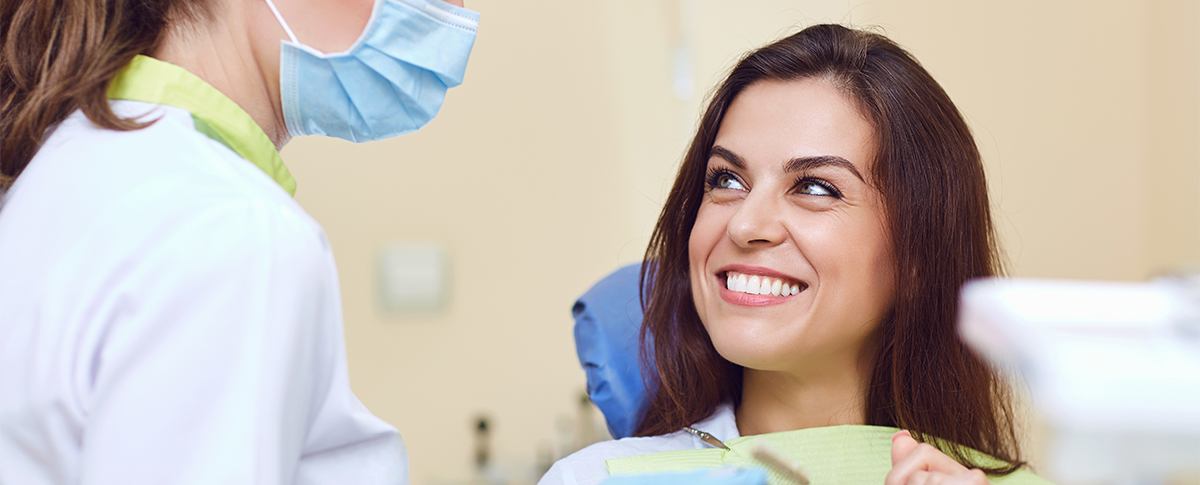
931 178
58 56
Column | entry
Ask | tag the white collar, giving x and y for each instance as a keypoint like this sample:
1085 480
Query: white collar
722 423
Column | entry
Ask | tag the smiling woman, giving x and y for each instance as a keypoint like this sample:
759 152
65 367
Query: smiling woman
783 202
805 274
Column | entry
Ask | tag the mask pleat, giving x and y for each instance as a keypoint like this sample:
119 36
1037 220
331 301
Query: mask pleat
422 41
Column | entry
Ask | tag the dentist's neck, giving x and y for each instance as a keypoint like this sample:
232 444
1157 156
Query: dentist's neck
222 50
782 401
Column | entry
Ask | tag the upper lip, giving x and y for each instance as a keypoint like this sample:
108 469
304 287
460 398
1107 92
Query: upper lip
758 270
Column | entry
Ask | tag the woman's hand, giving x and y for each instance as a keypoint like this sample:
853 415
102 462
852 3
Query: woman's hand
916 463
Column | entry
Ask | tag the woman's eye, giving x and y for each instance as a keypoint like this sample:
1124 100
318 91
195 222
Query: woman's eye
816 187
728 181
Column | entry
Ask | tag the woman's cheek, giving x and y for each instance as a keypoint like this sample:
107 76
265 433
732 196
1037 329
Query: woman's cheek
706 234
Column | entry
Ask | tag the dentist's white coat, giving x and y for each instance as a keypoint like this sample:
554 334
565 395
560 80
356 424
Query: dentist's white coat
169 315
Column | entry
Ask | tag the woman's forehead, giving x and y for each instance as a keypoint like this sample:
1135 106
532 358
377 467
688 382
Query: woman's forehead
774 121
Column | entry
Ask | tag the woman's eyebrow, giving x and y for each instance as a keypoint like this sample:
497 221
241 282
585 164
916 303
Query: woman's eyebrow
729 156
798 164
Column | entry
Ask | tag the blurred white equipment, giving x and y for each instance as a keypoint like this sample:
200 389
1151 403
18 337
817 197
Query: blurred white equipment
1113 370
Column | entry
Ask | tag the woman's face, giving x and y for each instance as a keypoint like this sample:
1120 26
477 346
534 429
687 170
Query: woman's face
790 258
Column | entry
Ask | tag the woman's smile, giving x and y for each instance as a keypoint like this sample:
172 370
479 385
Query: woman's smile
756 286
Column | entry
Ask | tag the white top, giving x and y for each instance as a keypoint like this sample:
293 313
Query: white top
168 314
587 466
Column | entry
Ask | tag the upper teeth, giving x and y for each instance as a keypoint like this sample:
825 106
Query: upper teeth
760 285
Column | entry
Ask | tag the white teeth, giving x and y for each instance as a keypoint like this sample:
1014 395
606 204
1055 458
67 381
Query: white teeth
759 285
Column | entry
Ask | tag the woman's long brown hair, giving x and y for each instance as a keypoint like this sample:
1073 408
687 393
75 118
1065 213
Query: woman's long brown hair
929 172
58 56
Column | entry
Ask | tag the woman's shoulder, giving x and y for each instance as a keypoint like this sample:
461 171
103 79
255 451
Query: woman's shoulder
587 466
172 153
167 174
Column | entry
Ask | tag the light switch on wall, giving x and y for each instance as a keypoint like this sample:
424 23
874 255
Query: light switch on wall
413 277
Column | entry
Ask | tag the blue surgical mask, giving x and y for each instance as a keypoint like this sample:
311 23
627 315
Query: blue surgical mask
392 81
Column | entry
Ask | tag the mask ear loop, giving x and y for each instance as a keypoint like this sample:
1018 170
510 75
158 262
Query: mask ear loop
282 23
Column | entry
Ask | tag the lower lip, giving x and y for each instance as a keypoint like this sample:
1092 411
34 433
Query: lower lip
745 299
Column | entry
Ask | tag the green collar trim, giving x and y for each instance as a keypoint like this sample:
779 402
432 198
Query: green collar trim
153 81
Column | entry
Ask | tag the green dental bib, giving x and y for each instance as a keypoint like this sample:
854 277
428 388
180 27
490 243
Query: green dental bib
835 454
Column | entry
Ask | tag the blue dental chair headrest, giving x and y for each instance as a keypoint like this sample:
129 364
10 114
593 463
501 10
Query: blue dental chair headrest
608 319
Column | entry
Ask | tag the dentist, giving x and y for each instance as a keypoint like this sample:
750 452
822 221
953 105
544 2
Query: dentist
168 313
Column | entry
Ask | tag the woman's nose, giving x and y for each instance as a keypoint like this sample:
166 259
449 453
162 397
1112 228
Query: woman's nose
757 222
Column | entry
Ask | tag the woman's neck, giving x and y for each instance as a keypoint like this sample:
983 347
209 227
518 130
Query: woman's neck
782 401
221 51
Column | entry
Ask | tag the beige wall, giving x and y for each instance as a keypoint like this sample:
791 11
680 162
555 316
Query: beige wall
1172 171
547 168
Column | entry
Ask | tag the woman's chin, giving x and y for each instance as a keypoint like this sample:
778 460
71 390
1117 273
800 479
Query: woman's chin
755 347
